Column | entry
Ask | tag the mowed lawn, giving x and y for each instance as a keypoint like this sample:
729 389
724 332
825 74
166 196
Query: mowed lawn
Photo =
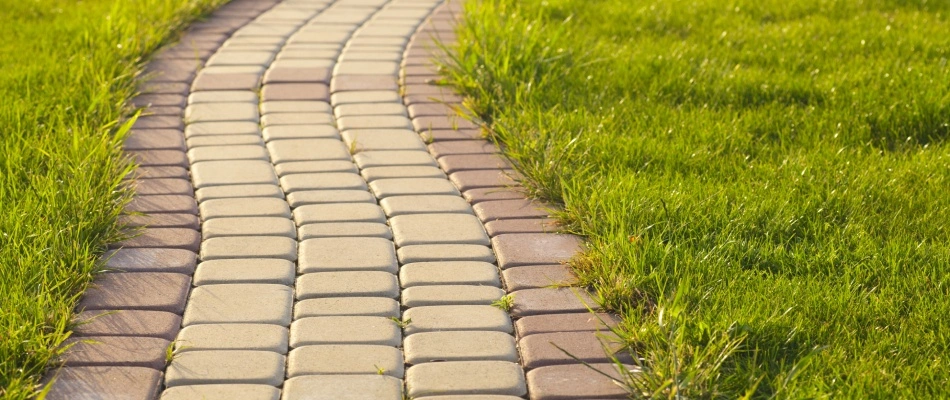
765 184
66 71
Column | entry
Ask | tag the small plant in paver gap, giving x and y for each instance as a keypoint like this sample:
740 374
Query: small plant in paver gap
505 303
379 370
354 147
402 324
427 137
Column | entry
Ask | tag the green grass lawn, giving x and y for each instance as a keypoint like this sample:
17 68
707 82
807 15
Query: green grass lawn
764 183
66 71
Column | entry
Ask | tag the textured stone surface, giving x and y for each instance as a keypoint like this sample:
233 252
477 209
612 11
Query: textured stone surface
468 180
419 229
515 250
233 337
450 295
189 221
343 387
466 377
124 351
222 392
225 366
247 172
245 270
562 347
530 225
406 205
338 359
158 324
460 346
288 150
345 229
551 301
382 138
297 199
151 260
347 284
249 247
345 330
344 212
384 188
445 252
248 226
574 322
347 254
562 382
239 303
397 172
137 291
448 273
347 306
509 209
457 318
93 383
384 158
172 238
537 276
244 207
322 181
236 191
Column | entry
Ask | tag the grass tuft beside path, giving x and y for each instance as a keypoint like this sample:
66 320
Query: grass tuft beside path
763 182
66 71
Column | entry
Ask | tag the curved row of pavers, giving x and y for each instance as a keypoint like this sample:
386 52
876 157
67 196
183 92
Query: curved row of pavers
222 74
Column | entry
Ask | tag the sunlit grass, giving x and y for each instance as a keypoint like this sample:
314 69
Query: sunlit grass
66 71
761 172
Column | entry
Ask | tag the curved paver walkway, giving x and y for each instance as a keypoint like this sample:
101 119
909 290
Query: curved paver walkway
352 230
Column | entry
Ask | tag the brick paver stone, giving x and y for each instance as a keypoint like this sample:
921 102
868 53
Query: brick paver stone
515 250
371 96
561 382
575 322
509 209
249 247
222 392
531 225
189 221
244 207
372 174
445 252
137 291
237 191
538 276
344 330
208 112
347 110
322 181
284 106
405 205
347 306
174 238
245 270
221 128
94 383
225 140
233 337
124 351
282 151
304 167
338 359
163 186
239 303
466 377
448 273
459 346
375 139
478 195
165 139
467 180
456 318
342 212
419 229
384 158
217 173
384 188
158 324
347 254
151 260
248 226
343 387
276 119
347 284
223 96
278 133
450 295
345 229
558 348
551 301
225 366
222 153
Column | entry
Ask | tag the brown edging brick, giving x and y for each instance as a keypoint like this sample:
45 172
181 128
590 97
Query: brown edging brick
130 313
530 254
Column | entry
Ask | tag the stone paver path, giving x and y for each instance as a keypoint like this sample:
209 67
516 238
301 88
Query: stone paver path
322 224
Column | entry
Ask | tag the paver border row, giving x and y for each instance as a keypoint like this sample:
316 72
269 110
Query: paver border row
550 309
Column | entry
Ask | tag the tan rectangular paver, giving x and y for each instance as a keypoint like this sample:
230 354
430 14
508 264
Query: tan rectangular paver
345 229
297 199
445 252
457 318
460 346
248 226
384 188
244 207
337 359
218 173
347 284
347 254
249 247
233 337
342 212
344 330
222 391
226 366
237 191
437 295
322 181
245 270
347 306
416 229
466 377
282 151
239 303
343 387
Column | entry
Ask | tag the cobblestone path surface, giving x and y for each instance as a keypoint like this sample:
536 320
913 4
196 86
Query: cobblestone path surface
322 224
